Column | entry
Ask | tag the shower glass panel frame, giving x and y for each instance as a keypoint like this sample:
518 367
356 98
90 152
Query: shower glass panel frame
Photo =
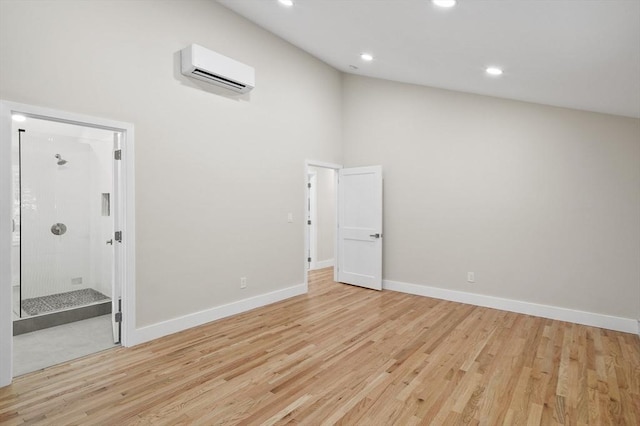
62 174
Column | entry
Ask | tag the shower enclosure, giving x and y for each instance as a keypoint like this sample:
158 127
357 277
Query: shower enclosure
63 217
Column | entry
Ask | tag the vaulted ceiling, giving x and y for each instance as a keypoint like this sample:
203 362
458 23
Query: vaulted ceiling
582 54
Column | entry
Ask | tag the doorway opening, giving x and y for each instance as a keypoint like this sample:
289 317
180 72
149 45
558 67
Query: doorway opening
321 216
62 185
70 269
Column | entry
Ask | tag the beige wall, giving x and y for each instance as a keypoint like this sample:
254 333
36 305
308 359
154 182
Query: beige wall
542 203
215 175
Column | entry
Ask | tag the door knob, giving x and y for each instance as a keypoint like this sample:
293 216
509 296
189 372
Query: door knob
110 241
375 235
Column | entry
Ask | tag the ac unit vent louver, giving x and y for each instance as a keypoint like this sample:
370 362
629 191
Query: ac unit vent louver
206 65
218 79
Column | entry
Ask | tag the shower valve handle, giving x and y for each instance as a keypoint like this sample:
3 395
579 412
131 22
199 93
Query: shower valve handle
110 241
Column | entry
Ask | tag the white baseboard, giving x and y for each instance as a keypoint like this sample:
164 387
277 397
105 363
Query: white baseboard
155 331
627 325
321 264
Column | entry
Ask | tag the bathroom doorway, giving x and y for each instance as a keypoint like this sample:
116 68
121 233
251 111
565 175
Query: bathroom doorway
68 259
63 238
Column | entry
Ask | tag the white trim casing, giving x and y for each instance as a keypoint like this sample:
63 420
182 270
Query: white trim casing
6 324
626 325
322 164
312 215
165 328
128 226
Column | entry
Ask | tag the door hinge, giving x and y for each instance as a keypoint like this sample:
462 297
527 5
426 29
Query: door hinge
309 185
118 236
118 316
308 222
117 154
308 259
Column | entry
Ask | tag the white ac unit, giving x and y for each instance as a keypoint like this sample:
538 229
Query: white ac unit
207 65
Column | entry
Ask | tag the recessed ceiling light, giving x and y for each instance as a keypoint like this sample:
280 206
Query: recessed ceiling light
18 117
494 71
366 57
287 3
444 3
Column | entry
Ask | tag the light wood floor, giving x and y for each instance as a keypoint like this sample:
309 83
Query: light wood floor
347 355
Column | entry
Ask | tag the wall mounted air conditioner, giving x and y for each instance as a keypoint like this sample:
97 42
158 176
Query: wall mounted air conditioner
207 65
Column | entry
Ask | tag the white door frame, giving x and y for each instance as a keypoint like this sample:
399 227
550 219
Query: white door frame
312 215
335 167
127 256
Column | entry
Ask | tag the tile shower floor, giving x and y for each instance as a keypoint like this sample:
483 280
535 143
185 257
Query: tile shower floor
55 302
43 348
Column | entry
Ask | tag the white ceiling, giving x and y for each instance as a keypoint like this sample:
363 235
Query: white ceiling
582 54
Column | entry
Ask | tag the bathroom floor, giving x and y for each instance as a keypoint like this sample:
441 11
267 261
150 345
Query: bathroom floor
43 348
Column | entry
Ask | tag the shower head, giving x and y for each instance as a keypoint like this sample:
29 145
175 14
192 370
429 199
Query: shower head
60 160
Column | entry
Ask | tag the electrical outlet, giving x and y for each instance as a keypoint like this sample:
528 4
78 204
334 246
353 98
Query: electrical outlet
76 281
471 277
243 282
290 217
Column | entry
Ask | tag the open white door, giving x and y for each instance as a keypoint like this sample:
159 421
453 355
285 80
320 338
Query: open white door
360 226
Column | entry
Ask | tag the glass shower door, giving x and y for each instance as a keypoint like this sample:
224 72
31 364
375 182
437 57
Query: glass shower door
65 187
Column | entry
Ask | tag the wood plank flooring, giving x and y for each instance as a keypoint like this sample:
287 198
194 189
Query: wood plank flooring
347 355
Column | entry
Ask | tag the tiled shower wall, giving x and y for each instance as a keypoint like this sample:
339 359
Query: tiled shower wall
69 194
